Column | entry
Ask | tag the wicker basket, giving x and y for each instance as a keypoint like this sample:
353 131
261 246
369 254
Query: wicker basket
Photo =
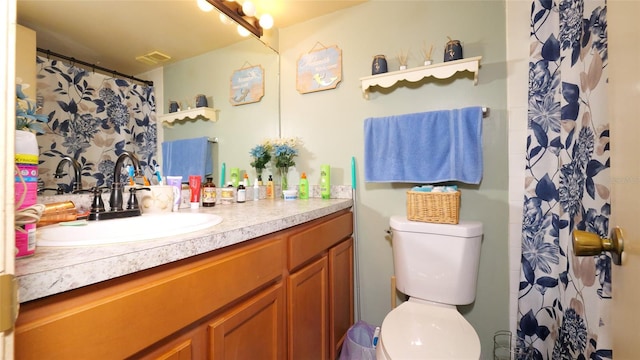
433 207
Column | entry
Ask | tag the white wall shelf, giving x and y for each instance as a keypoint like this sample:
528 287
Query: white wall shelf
443 70
201 113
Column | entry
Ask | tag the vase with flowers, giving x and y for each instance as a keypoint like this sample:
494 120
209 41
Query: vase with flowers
284 151
261 155
28 123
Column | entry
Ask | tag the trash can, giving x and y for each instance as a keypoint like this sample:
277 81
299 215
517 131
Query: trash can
359 342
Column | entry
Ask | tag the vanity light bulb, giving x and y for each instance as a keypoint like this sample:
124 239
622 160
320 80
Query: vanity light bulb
242 31
248 8
266 21
204 5
225 19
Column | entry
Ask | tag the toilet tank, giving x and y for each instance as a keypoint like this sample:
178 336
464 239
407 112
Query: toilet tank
436 262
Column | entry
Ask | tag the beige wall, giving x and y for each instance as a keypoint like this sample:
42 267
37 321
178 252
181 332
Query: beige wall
331 124
25 53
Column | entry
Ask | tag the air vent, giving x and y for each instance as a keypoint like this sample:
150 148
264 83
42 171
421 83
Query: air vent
153 58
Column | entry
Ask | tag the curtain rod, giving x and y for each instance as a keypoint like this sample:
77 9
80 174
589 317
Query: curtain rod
93 66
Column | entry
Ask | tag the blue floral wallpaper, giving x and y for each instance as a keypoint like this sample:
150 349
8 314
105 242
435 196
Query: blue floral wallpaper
563 306
92 119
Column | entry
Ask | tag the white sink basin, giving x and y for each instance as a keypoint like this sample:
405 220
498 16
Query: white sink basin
145 227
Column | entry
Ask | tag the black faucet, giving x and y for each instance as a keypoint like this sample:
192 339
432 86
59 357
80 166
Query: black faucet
77 170
115 200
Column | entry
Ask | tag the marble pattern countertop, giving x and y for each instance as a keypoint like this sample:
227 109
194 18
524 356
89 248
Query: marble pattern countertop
52 270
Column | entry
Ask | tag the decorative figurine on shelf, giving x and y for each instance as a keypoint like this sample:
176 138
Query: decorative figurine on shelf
402 59
201 101
173 106
379 65
427 55
453 50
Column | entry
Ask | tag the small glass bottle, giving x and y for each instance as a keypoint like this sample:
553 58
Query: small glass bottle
242 193
209 193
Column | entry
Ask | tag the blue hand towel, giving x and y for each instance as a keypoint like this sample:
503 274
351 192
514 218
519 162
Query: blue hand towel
426 147
187 157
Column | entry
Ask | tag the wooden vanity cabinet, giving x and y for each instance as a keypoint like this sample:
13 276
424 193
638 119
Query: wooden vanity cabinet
266 298
320 289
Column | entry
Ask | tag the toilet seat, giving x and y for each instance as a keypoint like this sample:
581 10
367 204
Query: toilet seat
423 330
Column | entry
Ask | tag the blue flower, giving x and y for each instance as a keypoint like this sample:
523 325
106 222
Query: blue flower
572 337
571 188
583 148
261 155
541 82
546 113
570 22
598 27
26 117
539 253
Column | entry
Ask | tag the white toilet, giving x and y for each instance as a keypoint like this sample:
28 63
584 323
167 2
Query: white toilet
436 265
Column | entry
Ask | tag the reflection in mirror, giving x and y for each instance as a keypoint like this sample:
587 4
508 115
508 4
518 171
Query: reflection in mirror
239 127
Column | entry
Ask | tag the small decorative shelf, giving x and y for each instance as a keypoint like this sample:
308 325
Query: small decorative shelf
441 71
201 113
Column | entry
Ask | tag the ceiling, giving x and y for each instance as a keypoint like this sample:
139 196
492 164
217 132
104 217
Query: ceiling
112 33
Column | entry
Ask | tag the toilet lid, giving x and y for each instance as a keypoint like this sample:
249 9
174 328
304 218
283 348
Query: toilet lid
428 331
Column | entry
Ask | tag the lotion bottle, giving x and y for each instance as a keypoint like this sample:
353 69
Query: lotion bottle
256 191
325 181
304 187
270 194
242 193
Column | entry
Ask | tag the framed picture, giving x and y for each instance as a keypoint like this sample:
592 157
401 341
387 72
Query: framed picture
319 69
247 85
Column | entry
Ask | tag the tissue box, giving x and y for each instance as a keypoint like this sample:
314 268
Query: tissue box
433 207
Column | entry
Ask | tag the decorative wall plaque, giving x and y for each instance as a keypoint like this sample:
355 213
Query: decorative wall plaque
319 69
247 85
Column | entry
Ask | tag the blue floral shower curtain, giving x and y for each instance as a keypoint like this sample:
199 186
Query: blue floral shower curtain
563 300
92 118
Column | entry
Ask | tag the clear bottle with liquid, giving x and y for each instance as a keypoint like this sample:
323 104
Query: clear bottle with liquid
256 191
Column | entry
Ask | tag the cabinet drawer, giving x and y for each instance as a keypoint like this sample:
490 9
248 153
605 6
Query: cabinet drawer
316 239
117 321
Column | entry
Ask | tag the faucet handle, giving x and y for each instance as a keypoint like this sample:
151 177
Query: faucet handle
97 205
132 203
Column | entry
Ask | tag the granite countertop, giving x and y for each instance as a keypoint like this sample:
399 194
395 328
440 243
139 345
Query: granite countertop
52 270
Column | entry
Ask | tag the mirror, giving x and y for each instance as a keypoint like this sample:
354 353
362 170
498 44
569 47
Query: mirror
238 127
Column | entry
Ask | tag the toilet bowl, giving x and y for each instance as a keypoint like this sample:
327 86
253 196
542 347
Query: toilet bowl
421 330
436 265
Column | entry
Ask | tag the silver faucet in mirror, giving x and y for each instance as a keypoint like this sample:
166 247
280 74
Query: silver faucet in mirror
77 170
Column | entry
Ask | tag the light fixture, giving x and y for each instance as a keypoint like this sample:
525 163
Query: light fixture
204 5
242 31
248 8
244 15
266 21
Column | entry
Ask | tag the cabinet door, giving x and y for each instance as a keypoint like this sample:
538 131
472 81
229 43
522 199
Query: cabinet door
340 294
182 351
255 329
307 310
